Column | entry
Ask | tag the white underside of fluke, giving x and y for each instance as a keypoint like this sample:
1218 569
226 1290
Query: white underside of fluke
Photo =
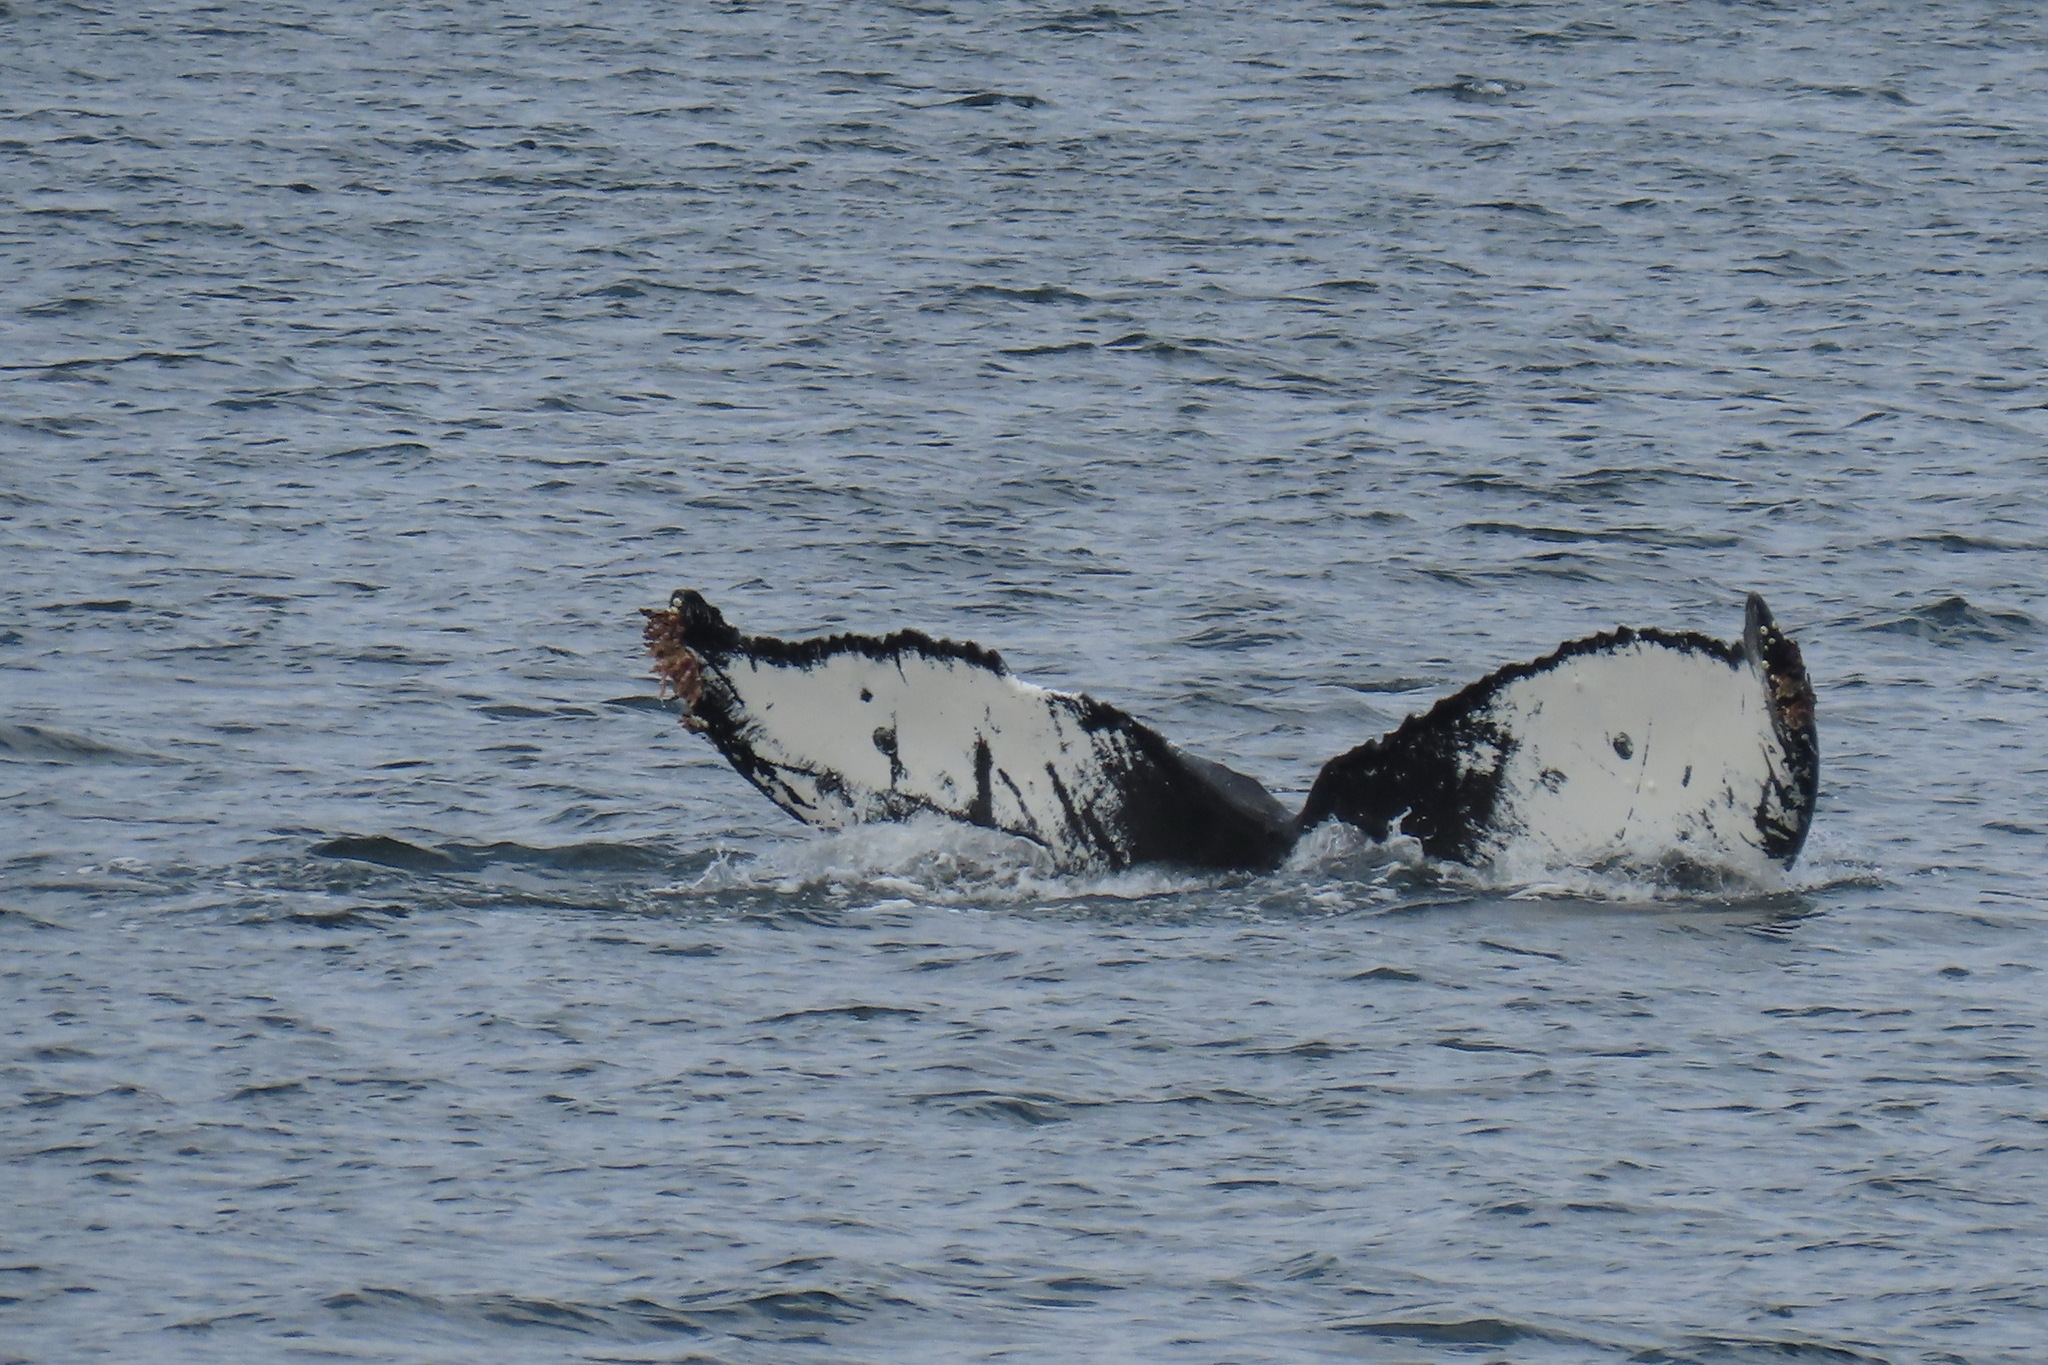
855 739
1634 755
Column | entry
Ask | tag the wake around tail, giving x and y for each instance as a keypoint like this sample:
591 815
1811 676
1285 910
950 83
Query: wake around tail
1637 748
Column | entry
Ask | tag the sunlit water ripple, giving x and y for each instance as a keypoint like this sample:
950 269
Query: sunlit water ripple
387 978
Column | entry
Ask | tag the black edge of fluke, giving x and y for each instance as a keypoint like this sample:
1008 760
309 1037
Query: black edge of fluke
1106 790
1792 716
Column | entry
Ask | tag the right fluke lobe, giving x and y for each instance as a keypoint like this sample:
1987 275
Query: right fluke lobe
1635 749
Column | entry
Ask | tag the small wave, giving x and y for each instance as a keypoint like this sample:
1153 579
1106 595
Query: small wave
1956 621
1661 537
1795 265
1475 89
1045 293
1576 32
385 851
988 99
1955 542
1062 348
636 1321
647 702
515 711
1729 1350
113 605
1100 19
64 307
390 450
1459 1333
741 1312
1882 93
1232 636
1143 343
34 744
351 917
1388 975
862 1013
1009 1110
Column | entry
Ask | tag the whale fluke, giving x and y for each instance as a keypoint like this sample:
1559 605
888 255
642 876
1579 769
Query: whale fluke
1637 748
852 729
1633 749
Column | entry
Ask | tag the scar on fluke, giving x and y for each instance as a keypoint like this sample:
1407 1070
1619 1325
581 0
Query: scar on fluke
1584 757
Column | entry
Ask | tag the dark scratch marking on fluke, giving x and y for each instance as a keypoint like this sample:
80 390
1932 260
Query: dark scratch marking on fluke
981 810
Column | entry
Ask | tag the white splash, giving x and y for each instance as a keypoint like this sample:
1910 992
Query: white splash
930 861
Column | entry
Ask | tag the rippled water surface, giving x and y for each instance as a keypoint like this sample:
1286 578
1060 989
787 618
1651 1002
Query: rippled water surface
384 976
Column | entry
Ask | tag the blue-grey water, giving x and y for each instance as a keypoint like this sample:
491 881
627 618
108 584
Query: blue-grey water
1267 369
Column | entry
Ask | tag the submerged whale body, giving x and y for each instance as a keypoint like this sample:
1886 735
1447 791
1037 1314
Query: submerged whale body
1634 749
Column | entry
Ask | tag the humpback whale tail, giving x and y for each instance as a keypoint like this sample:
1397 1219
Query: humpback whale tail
1636 748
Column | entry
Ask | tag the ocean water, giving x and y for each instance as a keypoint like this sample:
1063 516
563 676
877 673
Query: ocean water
385 976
